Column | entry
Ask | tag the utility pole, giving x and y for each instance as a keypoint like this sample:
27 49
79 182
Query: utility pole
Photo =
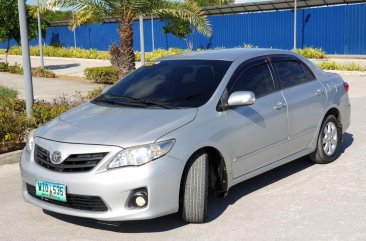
142 42
152 33
40 35
295 18
73 17
26 58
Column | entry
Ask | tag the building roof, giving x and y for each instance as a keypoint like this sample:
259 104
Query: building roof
272 6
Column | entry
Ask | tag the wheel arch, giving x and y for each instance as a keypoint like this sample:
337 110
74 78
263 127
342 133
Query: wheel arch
336 113
218 176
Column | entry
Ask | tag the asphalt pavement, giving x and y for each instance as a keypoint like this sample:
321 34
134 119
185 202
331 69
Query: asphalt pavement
62 66
48 89
298 201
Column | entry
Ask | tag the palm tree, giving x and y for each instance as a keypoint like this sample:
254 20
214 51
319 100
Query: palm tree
126 11
36 11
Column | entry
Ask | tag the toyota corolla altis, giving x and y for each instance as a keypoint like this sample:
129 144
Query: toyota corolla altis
162 138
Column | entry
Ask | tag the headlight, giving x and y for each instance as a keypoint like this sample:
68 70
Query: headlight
139 155
30 142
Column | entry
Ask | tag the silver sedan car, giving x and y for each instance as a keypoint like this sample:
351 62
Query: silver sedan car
158 141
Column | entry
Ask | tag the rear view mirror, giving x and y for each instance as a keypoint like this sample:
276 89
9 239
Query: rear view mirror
240 98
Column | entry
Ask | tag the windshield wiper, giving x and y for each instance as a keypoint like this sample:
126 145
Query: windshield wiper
136 101
116 102
154 103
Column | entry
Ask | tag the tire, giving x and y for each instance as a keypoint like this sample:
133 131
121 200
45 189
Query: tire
195 189
327 148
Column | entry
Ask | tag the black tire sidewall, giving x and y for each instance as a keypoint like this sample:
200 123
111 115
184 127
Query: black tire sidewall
320 152
190 163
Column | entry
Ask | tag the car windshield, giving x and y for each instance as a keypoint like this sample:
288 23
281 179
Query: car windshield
169 84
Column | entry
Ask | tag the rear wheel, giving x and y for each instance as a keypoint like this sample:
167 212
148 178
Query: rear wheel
328 141
195 189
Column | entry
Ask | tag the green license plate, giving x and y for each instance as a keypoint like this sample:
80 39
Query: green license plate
51 190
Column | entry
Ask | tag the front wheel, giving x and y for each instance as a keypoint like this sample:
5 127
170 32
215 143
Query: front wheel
328 141
195 189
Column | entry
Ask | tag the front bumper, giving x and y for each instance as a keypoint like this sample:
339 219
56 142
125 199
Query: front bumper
161 178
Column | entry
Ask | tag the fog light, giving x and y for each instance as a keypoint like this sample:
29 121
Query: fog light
138 198
140 201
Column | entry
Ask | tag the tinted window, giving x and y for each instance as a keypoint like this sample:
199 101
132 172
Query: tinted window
292 73
177 83
257 79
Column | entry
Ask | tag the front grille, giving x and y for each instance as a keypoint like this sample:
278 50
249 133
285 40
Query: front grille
73 163
90 203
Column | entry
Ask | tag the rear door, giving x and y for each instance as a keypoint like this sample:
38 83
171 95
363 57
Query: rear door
305 97
256 131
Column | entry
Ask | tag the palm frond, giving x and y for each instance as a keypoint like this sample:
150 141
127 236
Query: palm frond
85 9
127 10
79 18
33 11
186 11
43 7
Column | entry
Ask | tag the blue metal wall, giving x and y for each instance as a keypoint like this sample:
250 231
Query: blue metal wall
337 29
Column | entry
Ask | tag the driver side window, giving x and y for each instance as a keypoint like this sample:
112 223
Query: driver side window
256 78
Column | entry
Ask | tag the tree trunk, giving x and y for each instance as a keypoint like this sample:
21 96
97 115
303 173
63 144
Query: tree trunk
124 57
7 50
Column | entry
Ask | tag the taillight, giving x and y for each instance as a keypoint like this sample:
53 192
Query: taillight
346 86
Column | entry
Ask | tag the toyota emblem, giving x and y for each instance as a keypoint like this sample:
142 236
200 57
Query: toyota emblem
56 157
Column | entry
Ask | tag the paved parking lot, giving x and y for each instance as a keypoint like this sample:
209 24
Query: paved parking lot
62 66
47 89
298 201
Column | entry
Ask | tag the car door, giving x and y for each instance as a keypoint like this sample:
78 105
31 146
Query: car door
258 130
305 97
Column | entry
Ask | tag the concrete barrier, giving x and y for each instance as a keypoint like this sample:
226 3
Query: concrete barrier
10 158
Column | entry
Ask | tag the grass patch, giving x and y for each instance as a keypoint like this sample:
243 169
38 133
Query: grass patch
51 51
95 93
331 65
312 53
3 67
15 69
18 69
159 53
102 75
14 124
7 93
42 72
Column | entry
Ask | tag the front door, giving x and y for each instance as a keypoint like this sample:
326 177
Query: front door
256 131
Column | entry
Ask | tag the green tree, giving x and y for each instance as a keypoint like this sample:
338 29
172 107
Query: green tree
126 11
205 3
9 27
57 16
180 29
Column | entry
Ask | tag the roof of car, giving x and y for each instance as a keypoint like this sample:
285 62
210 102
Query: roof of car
227 54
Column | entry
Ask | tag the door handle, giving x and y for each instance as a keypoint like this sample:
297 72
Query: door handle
319 92
279 105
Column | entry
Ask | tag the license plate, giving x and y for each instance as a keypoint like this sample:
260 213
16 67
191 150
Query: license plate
51 190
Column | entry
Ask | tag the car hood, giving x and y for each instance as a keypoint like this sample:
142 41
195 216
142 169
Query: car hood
114 125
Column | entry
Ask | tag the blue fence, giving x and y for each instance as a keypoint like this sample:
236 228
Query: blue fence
337 29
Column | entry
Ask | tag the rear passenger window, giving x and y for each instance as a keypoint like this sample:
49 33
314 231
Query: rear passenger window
257 79
292 73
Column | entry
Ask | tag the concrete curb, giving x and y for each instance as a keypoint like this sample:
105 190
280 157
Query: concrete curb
347 73
10 158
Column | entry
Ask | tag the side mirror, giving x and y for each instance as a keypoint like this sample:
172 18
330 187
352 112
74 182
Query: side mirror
240 98
105 89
